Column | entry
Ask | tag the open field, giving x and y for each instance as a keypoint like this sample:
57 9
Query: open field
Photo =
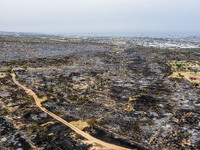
189 70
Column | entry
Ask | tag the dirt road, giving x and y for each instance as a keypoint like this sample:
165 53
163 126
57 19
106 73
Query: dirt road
91 140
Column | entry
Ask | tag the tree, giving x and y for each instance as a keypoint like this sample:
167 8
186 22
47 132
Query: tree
195 70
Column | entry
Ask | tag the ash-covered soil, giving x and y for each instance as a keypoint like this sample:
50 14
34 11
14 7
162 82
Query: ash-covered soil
15 50
125 97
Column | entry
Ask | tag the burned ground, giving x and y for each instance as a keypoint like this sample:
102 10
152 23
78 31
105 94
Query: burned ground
126 98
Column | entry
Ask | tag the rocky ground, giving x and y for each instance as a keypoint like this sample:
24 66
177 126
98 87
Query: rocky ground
125 97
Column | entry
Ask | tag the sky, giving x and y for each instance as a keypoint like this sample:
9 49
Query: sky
100 16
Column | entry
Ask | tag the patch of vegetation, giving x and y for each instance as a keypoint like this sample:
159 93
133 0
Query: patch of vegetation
28 106
150 123
180 75
59 94
172 100
92 122
189 134
43 132
43 105
40 88
9 70
24 98
34 127
40 96
179 65
31 98
142 115
144 91
58 112
171 72
70 85
50 90
49 95
197 102
83 99
5 111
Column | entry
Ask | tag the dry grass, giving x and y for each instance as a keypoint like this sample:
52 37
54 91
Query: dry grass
43 99
185 73
80 124
187 76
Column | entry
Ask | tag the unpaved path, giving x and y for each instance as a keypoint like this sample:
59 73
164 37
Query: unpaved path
91 140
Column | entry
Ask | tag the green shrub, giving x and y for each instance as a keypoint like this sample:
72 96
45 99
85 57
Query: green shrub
44 129
180 75
34 127
58 112
50 90
31 98
142 115
9 70
43 105
43 132
59 94
189 134
49 95
70 85
5 111
28 106
145 91
150 123
40 96
84 99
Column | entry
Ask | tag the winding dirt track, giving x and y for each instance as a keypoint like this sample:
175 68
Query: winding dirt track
91 140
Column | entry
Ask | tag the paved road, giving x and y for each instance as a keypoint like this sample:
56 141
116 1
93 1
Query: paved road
91 139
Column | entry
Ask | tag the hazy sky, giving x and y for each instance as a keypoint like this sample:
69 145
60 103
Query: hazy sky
100 15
